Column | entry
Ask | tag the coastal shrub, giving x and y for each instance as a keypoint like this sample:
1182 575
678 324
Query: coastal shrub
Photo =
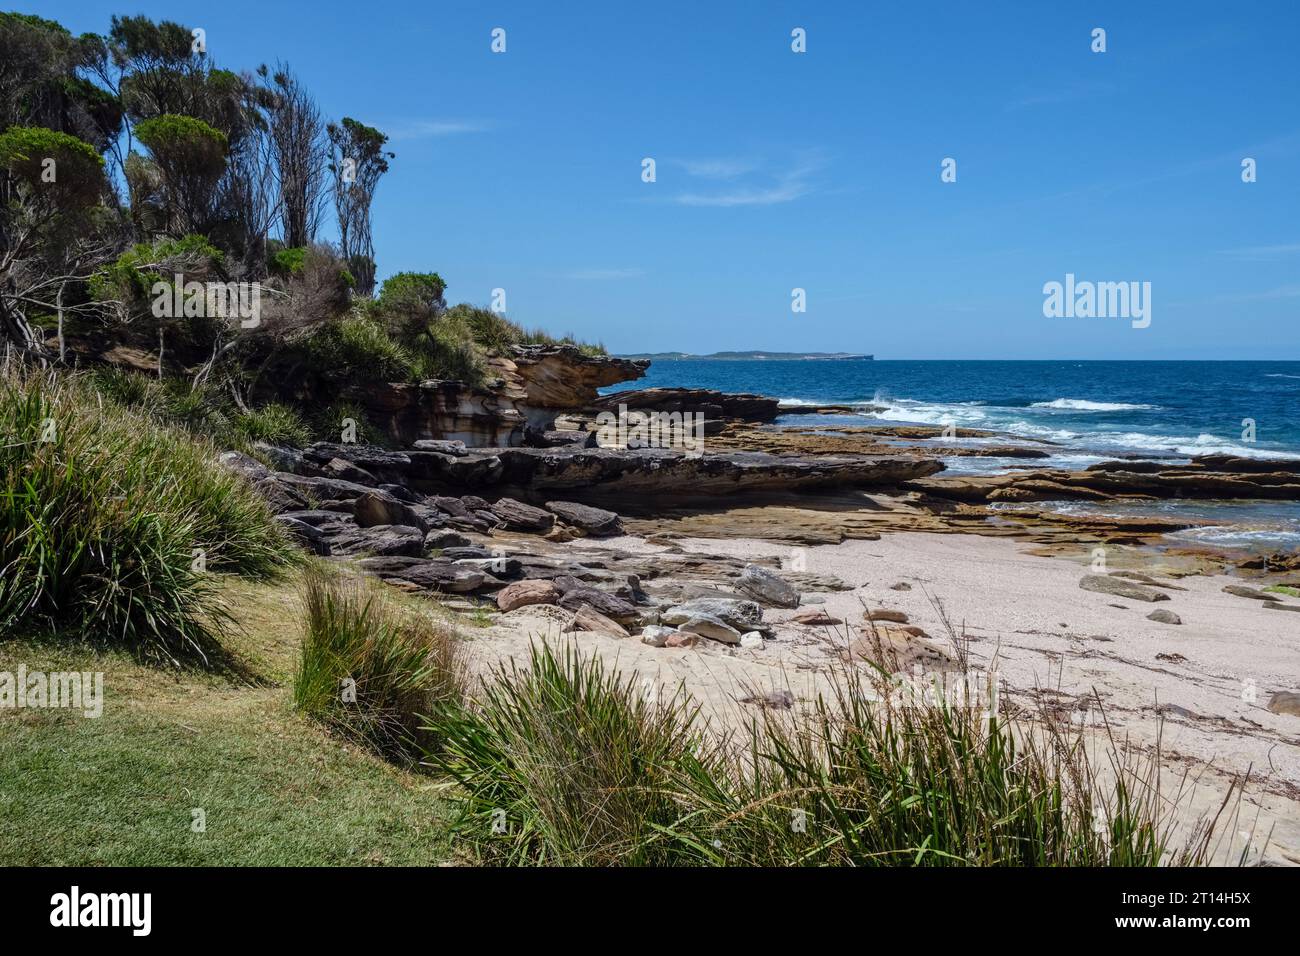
371 668
326 424
110 523
588 772
275 424
288 262
359 349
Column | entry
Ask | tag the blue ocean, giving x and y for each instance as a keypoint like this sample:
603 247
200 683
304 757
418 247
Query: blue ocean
1080 412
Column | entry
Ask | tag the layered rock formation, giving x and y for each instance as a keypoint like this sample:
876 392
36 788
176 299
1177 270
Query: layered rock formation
1207 476
712 404
527 390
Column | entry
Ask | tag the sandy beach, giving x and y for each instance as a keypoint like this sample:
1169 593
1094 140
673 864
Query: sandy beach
1201 687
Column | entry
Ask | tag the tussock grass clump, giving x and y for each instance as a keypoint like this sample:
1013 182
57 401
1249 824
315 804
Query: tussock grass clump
867 781
566 762
371 669
110 523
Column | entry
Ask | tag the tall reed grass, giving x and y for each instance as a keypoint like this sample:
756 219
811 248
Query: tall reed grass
565 762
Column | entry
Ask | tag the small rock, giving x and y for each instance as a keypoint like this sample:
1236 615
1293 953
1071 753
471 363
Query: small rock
678 639
1171 658
753 641
528 591
776 699
900 586
656 635
1285 702
1120 587
1164 616
1242 591
885 614
1279 606
815 617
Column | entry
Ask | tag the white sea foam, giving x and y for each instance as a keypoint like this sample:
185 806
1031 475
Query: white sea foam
1083 405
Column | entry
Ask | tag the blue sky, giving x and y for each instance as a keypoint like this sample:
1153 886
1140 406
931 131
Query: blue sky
819 170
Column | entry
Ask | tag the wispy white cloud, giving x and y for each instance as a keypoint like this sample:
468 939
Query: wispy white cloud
598 275
429 128
717 168
765 189
1281 292
1066 94
1263 253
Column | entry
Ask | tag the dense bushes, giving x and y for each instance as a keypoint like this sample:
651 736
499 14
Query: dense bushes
110 523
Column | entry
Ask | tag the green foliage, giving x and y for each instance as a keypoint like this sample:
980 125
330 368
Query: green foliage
43 86
357 349
407 290
130 277
288 262
78 169
184 143
371 668
1286 589
274 424
101 512
327 424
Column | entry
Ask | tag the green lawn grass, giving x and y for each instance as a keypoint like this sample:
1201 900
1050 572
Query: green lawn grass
275 787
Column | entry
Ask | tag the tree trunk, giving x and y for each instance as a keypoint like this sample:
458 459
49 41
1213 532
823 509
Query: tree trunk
58 303
17 333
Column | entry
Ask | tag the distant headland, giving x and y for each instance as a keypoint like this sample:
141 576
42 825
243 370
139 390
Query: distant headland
752 356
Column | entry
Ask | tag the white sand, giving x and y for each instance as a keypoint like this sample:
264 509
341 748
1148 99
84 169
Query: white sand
1028 615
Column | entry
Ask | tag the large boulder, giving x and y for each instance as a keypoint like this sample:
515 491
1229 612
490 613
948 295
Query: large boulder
521 517
383 539
528 591
611 605
596 522
766 587
379 507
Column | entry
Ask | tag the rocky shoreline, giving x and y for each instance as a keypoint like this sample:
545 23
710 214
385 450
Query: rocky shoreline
488 494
